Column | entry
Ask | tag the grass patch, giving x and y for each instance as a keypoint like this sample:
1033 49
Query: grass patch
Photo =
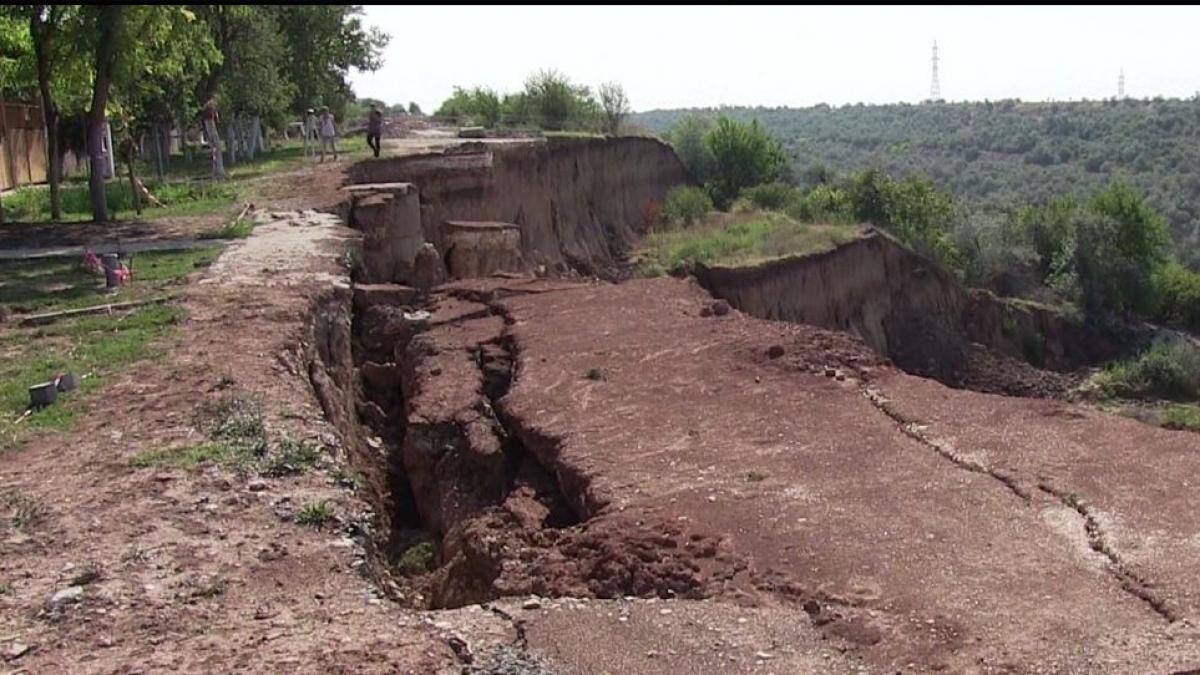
315 514
186 189
223 454
31 203
745 240
92 345
238 229
417 559
45 285
290 457
1180 416
238 439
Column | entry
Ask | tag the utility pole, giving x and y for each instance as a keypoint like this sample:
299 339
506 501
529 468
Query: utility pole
935 89
1121 86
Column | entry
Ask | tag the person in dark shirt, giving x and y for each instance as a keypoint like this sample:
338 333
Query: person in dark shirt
374 129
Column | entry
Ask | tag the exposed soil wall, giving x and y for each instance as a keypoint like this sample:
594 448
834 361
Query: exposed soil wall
908 308
579 204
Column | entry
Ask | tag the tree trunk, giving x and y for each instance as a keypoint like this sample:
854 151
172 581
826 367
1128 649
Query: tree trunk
159 150
258 133
214 147
231 133
42 33
108 20
137 199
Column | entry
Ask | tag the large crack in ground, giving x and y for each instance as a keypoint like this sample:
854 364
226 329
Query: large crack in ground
1099 542
482 488
912 429
1097 539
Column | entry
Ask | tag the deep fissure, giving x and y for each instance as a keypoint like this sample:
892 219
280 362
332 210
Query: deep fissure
379 356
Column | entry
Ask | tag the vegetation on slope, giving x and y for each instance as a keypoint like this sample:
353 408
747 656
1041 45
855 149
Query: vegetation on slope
997 157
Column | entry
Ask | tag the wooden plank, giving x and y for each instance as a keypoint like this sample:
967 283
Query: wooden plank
50 317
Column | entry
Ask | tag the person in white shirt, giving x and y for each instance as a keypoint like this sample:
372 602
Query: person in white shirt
328 133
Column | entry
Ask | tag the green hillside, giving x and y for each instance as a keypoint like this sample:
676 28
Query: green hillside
999 155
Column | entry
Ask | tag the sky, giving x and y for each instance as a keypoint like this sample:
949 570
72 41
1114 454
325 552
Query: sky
700 56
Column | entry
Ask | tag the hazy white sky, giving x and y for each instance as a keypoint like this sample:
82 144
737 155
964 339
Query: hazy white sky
672 56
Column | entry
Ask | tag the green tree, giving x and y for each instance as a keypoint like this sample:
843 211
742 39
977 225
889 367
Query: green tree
323 43
249 74
744 155
104 24
477 105
48 30
1102 254
687 137
556 102
414 109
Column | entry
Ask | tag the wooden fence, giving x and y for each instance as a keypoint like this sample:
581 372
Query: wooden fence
22 145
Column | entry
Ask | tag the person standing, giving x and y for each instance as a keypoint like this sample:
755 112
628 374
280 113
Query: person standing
211 119
310 132
328 133
374 128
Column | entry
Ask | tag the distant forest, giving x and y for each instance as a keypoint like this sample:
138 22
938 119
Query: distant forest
1002 155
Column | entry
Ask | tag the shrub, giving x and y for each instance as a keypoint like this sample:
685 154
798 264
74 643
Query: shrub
686 204
1166 370
770 196
1182 417
822 204
1177 295
417 559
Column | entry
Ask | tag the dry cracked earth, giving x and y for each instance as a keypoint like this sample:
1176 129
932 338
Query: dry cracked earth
640 484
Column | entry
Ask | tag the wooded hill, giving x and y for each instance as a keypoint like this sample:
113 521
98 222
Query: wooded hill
1000 155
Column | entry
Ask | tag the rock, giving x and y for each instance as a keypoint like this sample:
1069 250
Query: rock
840 376
705 312
775 351
830 372
428 269
15 651
71 594
532 603
5 313
720 308
257 485
461 648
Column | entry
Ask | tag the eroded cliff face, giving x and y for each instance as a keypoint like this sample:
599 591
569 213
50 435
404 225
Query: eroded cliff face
909 309
579 204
